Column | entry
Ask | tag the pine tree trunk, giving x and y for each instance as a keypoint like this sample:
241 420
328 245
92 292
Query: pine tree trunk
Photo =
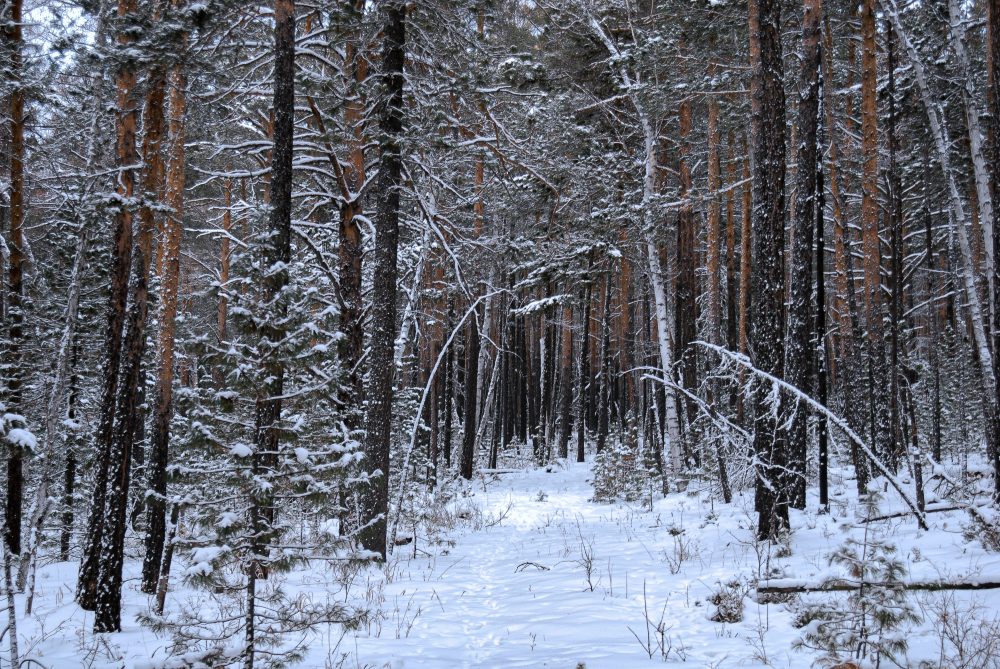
128 414
732 258
470 413
276 254
351 347
121 262
604 396
685 301
714 234
378 420
69 471
170 254
879 400
768 278
566 382
13 355
799 338
584 407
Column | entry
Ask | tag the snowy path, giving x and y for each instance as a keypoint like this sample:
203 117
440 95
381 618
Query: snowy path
517 594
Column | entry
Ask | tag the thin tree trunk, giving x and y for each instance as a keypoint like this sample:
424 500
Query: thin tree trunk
714 235
566 382
471 404
879 399
585 379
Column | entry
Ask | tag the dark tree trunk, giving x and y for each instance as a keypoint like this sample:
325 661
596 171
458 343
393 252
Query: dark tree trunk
378 420
799 339
129 416
469 414
13 359
276 253
584 407
566 382
822 427
767 282
604 409
121 262
449 387
69 473
168 257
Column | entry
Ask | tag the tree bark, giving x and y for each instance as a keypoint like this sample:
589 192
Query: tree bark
800 334
768 279
13 359
163 403
378 420
351 347
128 412
994 110
121 261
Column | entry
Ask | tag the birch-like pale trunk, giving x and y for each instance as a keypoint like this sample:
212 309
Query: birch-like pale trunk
976 149
53 407
652 254
941 144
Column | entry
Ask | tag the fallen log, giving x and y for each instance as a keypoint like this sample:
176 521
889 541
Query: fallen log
929 509
792 586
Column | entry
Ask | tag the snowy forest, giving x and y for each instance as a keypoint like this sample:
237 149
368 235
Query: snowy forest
499 333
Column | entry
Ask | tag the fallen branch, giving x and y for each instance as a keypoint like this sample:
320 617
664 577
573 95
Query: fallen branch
524 565
935 509
790 586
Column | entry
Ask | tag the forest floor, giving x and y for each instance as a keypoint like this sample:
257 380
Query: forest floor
523 570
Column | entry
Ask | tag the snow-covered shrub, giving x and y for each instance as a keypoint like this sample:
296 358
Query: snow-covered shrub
728 602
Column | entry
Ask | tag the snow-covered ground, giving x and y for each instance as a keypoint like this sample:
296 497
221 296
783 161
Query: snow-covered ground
534 574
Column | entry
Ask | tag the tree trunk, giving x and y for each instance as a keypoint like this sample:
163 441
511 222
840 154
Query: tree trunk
128 413
585 379
378 421
566 382
800 334
994 111
121 262
171 258
351 347
768 279
13 359
879 400
471 405
714 234
276 254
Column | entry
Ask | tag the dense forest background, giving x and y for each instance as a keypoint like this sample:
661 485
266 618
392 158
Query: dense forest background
274 276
